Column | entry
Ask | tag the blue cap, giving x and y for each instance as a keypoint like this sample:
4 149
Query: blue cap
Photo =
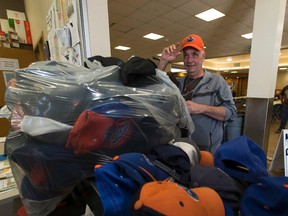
269 196
140 168
115 189
242 158
171 156
118 181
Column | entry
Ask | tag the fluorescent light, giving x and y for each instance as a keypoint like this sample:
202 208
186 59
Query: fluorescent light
234 72
248 36
173 70
210 15
283 68
179 63
153 36
122 48
229 59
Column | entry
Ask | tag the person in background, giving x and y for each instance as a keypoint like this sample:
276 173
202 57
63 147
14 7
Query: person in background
208 96
284 112
233 92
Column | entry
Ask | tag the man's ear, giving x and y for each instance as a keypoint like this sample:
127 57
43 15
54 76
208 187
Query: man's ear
203 54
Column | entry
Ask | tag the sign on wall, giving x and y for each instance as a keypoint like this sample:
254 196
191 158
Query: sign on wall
8 66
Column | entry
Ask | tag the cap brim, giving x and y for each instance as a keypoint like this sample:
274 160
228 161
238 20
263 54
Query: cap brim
192 46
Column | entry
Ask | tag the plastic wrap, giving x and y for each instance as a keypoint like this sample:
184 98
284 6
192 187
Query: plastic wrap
70 118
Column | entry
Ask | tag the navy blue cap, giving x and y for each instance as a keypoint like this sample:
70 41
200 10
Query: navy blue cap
242 158
269 196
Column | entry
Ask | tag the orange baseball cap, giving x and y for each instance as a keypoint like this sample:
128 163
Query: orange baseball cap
170 198
193 40
206 159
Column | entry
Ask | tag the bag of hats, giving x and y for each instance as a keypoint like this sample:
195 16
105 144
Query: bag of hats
69 118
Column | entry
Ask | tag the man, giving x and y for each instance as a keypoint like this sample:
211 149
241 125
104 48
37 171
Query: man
284 112
208 96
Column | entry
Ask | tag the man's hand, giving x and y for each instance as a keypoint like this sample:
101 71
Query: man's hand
218 112
168 54
194 108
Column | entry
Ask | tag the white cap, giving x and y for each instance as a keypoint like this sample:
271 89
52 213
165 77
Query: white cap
190 150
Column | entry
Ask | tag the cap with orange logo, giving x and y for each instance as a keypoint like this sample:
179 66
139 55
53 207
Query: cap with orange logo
194 41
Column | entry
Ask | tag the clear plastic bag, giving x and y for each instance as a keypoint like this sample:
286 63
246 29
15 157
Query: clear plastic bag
86 116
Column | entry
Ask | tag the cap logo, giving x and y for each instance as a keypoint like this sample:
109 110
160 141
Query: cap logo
118 133
190 39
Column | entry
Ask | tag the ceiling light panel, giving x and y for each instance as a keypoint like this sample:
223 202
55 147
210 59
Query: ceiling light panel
122 48
248 36
210 15
153 36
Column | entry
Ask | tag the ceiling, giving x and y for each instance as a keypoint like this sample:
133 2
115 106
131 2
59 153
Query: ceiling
129 20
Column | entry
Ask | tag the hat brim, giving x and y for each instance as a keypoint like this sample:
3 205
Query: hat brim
192 46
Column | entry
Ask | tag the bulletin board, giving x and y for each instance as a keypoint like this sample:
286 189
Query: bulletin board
63 32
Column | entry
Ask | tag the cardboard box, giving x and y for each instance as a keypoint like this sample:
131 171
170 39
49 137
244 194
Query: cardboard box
13 36
22 28
5 44
5 26
15 44
28 32
2 36
16 15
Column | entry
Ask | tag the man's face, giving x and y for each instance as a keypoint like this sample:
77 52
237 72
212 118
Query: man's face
193 60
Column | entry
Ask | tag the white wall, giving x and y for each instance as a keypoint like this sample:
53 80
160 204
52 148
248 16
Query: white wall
99 32
36 12
282 79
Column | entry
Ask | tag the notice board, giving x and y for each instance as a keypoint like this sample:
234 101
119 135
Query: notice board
64 32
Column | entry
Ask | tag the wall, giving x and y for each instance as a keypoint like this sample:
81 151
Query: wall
282 79
36 14
239 85
16 5
99 34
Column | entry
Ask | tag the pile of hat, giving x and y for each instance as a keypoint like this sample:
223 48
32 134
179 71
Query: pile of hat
178 179
244 160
